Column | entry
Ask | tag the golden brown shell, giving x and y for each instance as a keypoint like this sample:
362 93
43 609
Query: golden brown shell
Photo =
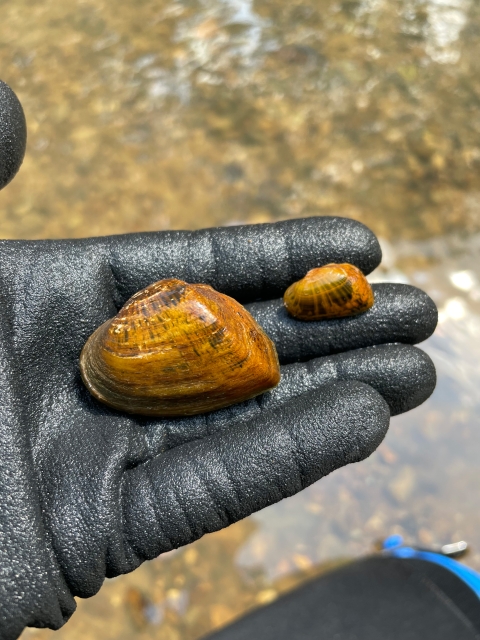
332 291
178 349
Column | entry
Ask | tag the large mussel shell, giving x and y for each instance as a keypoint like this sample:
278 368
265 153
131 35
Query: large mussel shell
176 349
331 291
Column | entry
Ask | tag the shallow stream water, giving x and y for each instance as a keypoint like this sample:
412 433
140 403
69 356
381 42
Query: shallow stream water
152 115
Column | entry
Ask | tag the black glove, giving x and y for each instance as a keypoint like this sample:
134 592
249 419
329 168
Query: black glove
13 134
87 492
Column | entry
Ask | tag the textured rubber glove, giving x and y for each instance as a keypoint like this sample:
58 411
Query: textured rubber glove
13 134
88 492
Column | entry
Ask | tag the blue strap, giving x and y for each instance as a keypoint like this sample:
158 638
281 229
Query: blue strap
393 546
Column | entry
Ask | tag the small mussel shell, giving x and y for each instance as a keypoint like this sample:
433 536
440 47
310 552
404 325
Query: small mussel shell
331 291
178 349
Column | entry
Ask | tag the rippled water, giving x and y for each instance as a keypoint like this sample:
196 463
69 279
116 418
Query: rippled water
153 115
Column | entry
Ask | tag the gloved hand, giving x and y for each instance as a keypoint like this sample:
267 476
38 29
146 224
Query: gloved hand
88 492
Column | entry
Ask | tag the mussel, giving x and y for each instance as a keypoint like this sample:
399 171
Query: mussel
178 349
331 291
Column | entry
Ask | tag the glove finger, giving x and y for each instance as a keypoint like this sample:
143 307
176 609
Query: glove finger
248 262
404 376
208 484
401 313
13 134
